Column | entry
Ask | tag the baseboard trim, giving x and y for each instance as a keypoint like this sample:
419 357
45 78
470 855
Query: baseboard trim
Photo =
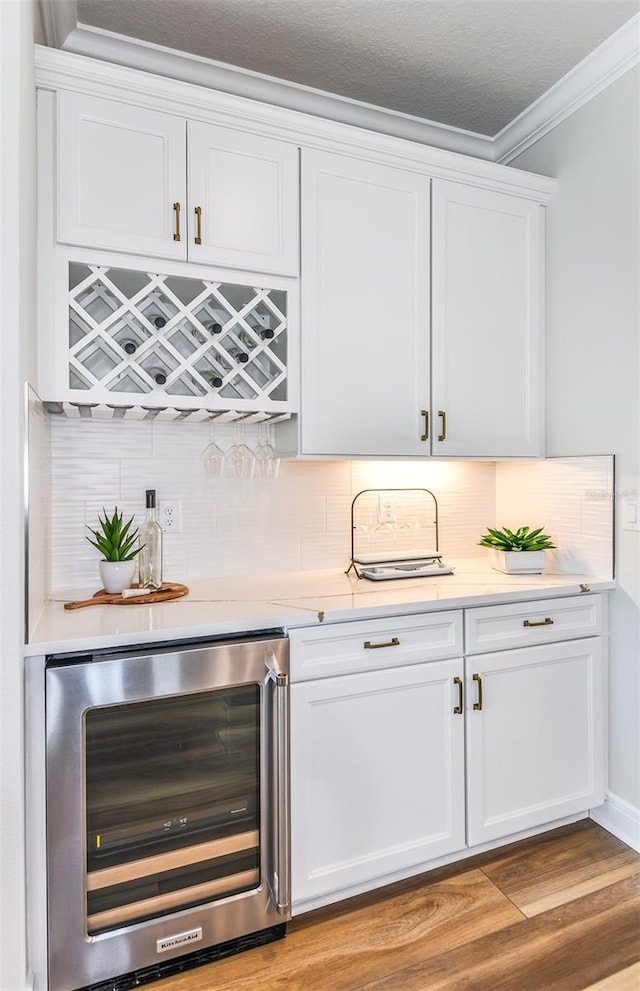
619 818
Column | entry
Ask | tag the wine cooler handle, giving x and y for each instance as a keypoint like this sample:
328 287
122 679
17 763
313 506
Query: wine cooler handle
282 888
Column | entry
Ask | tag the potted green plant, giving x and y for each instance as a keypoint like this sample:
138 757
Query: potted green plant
519 552
116 541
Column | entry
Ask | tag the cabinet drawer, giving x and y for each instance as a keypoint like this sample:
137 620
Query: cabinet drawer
523 624
347 648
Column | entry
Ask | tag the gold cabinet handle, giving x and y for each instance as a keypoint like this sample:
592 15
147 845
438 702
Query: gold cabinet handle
457 709
547 621
198 213
443 425
478 705
425 414
176 236
394 642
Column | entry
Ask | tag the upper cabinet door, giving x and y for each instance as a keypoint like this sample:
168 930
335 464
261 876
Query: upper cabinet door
487 323
121 177
365 308
243 200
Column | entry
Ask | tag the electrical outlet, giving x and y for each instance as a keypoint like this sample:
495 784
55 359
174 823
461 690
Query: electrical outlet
386 508
170 515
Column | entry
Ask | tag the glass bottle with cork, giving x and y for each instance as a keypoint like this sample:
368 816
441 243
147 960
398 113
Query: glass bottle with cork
150 557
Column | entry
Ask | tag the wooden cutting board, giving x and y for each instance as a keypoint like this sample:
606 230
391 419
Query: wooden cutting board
168 590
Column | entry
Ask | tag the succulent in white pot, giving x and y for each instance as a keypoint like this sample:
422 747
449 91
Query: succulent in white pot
116 541
519 552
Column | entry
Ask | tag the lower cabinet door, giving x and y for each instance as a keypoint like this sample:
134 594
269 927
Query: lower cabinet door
535 736
377 775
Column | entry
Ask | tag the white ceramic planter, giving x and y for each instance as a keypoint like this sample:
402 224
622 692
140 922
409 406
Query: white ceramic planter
517 562
117 575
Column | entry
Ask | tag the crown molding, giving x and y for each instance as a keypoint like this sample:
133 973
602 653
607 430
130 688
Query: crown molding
592 76
57 70
595 73
110 47
59 19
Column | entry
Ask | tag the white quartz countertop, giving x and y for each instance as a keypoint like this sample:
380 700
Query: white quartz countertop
218 607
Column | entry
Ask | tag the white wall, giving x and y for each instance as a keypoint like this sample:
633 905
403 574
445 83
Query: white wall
593 361
17 322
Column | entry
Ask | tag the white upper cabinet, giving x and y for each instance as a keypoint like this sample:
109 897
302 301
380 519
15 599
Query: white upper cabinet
121 169
365 307
486 333
243 200
122 185
386 372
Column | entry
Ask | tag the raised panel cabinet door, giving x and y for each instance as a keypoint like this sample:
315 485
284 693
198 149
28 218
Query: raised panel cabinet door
243 200
535 748
121 173
365 307
377 776
487 323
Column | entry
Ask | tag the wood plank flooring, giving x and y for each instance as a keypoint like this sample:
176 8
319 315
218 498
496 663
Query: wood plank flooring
558 912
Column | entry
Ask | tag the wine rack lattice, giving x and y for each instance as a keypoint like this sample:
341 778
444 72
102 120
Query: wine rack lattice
167 337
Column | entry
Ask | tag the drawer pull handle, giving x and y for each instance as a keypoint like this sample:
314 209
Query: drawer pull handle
478 705
457 709
547 621
394 642
198 238
176 207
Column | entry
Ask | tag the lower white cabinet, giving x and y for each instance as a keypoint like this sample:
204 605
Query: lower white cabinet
534 736
415 759
377 764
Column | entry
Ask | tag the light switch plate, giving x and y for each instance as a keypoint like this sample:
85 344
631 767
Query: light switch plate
631 512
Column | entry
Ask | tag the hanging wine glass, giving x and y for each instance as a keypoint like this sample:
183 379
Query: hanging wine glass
213 457
267 460
239 460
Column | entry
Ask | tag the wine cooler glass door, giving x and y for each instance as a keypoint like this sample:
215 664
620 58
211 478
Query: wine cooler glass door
172 803
165 794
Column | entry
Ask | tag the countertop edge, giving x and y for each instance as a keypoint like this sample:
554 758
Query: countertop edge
284 613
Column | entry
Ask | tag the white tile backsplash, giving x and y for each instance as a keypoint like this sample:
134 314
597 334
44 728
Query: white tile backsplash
302 519
299 521
572 498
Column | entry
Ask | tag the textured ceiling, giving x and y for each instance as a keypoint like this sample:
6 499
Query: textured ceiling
470 64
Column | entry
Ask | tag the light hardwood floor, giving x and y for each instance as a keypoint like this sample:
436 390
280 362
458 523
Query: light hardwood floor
558 912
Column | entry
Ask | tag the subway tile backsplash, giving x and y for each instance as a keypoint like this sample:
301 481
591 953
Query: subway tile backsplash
302 519
299 521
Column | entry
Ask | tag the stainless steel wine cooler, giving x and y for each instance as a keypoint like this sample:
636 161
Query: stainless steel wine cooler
167 804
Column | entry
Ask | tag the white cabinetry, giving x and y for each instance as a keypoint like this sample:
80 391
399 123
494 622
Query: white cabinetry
245 188
365 307
377 775
487 319
535 711
381 712
377 751
367 385
122 185
534 736
120 171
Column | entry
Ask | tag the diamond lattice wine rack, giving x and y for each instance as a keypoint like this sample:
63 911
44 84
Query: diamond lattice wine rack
155 340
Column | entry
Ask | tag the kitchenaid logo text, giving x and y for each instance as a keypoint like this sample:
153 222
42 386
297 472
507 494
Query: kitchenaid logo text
179 940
